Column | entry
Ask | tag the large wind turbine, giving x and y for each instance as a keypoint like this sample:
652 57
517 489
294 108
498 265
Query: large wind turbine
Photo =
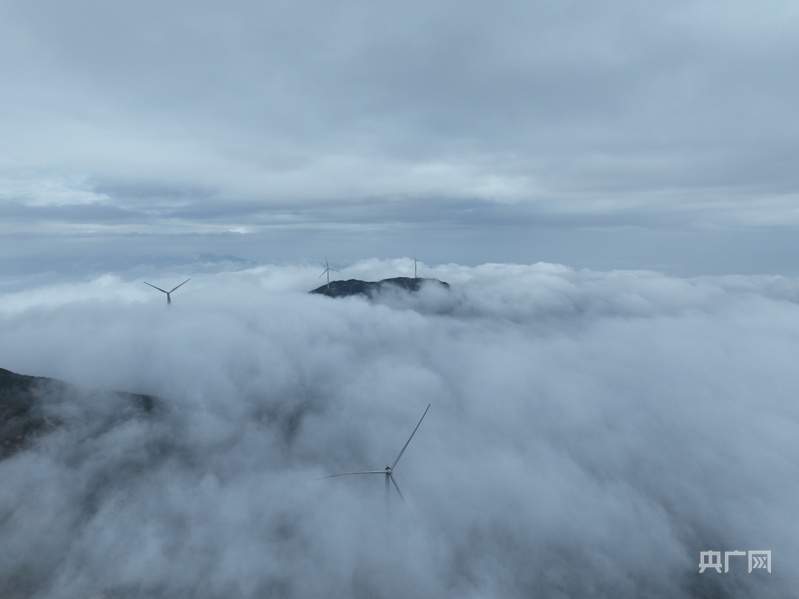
168 293
327 272
388 472
415 276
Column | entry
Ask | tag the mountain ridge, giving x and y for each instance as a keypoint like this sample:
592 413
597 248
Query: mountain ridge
369 289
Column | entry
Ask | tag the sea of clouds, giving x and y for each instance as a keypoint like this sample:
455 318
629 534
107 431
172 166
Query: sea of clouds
590 434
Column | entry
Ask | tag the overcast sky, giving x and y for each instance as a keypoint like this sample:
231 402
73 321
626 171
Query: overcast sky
620 134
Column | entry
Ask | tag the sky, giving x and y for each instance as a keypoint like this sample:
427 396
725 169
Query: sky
589 435
614 135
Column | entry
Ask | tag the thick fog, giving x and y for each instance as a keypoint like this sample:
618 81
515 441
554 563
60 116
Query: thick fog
590 434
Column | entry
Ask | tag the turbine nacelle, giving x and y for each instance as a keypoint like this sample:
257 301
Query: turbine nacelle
388 472
168 293
327 272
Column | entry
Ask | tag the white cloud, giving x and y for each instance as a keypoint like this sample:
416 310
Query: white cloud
42 190
590 433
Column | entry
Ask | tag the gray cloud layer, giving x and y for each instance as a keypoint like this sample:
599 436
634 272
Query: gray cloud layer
197 116
590 434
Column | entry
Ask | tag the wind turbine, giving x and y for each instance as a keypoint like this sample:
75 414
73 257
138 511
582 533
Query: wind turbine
388 472
415 276
327 272
168 293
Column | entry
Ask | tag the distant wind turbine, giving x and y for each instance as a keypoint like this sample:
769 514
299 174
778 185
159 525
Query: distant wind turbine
168 293
415 276
388 472
327 272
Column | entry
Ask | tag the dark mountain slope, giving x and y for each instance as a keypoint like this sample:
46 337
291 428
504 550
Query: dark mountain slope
24 403
371 288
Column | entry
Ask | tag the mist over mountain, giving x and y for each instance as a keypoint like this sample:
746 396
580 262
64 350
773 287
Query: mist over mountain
595 430
27 413
590 434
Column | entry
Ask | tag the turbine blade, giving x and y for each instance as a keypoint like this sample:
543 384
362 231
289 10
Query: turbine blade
352 473
323 273
154 287
409 438
396 486
183 283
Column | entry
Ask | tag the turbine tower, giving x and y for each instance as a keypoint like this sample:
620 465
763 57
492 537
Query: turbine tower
168 293
327 272
415 276
388 472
